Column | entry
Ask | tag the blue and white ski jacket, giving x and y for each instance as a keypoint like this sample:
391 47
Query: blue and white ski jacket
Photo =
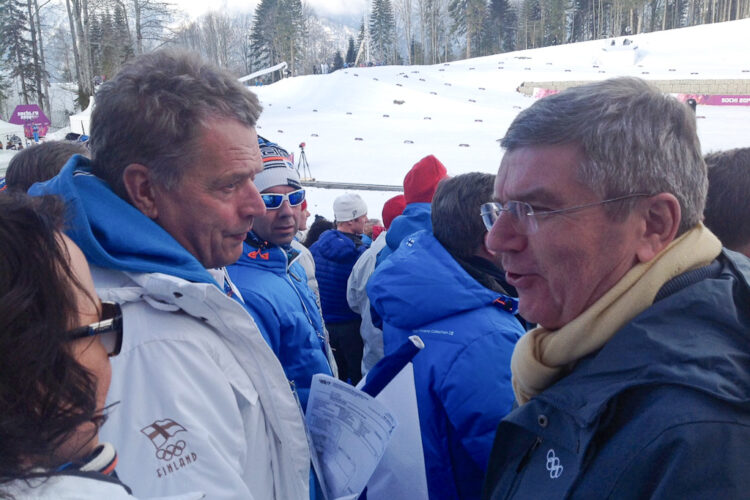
462 376
274 286
415 217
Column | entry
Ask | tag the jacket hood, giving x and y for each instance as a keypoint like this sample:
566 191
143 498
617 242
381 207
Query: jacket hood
709 354
423 283
336 246
111 232
416 217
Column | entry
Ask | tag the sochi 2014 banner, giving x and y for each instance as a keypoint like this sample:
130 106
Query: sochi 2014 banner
717 100
32 118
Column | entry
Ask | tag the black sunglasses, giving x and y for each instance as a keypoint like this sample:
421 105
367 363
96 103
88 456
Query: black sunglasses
109 329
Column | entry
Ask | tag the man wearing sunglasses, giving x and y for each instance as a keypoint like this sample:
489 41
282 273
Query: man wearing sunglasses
272 281
635 384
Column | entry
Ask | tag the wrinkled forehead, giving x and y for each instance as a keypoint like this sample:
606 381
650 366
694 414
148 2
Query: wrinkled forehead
533 171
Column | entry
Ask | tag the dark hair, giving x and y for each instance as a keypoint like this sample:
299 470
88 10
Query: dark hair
154 110
45 394
320 226
634 139
727 212
40 163
455 212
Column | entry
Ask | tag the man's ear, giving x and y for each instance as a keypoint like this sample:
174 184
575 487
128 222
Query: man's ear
140 188
661 218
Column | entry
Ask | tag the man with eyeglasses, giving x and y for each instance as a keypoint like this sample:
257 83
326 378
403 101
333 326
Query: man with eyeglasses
272 281
636 382
166 202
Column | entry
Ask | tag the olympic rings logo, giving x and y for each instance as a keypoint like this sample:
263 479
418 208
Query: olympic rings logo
553 465
171 450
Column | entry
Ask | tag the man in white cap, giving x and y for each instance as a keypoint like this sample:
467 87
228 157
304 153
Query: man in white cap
272 281
335 253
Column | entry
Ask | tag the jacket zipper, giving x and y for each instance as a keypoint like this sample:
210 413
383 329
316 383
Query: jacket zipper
521 465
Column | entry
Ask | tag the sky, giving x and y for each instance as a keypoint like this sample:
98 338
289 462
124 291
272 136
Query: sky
324 8
370 125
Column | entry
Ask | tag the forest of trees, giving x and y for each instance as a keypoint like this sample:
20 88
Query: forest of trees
90 39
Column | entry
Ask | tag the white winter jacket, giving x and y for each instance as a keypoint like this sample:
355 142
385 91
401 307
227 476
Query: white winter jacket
356 296
203 403
72 487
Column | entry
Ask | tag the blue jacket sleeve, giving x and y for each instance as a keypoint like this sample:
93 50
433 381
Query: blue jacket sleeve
265 317
476 392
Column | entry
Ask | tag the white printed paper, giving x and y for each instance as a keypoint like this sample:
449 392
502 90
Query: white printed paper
350 431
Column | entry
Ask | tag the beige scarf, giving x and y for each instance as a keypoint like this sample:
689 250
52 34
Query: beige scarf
542 357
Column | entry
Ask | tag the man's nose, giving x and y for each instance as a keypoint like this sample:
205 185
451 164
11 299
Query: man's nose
503 236
252 203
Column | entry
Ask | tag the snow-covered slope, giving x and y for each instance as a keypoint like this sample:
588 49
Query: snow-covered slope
357 128
369 125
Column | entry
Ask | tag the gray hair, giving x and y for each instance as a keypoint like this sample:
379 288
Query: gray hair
728 206
634 140
455 212
154 110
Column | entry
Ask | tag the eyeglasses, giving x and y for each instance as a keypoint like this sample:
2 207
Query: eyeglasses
109 329
274 200
525 219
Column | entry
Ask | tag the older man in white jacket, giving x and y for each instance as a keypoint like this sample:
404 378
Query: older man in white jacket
200 402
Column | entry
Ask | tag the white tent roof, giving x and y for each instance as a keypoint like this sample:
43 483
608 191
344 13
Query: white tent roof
10 128
80 122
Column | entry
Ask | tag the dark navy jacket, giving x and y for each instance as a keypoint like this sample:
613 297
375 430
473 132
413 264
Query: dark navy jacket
661 411
335 254
462 376
274 287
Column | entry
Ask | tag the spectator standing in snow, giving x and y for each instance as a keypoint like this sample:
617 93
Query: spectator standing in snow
727 212
420 184
40 163
304 214
272 281
356 293
636 382
166 201
335 253
306 259
319 226
448 289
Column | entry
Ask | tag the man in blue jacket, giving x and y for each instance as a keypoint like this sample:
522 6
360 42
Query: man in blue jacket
636 384
273 283
447 289
335 253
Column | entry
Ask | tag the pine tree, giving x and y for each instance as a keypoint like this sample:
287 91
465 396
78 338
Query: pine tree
262 50
277 34
468 17
383 31
351 52
502 25
338 61
15 47
122 36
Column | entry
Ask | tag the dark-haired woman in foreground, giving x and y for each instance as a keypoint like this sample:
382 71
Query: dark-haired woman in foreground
55 340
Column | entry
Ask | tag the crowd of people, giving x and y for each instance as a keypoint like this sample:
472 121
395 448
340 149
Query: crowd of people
164 305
